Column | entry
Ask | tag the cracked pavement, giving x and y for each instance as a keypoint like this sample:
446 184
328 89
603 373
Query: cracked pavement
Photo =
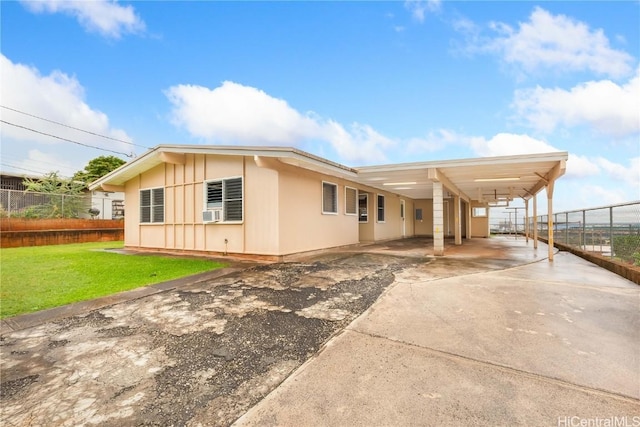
202 354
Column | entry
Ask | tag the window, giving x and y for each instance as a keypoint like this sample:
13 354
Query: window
363 212
350 201
152 205
380 208
419 214
225 194
329 198
479 212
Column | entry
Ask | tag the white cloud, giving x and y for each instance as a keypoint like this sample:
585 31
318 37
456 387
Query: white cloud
618 172
57 97
609 108
551 41
435 141
419 8
507 144
105 17
589 193
236 114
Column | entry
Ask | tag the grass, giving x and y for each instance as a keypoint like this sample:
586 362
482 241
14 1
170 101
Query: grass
36 278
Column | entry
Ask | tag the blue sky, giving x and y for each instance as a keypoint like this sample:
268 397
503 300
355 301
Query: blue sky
356 82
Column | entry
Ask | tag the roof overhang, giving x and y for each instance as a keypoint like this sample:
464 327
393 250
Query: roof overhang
176 154
489 180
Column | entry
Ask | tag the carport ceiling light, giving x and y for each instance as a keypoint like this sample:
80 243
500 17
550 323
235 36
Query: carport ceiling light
512 178
400 183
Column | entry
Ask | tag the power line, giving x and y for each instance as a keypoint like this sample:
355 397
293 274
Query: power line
21 168
74 128
65 139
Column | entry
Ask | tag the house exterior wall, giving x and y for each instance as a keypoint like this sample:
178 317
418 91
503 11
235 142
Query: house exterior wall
424 227
303 225
479 225
366 229
261 207
183 228
282 211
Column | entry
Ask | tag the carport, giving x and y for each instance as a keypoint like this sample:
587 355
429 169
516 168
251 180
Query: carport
475 185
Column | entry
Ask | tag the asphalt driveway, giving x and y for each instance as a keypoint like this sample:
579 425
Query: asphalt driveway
201 354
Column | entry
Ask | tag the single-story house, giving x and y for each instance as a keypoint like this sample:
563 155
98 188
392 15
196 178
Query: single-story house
275 201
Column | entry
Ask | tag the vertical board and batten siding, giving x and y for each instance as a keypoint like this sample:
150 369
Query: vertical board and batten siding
184 229
261 225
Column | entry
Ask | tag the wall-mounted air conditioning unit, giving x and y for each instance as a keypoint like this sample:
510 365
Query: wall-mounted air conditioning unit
214 215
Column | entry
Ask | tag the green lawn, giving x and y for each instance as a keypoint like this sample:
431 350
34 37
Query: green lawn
36 278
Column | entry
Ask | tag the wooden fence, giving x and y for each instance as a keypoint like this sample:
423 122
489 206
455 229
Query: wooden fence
18 232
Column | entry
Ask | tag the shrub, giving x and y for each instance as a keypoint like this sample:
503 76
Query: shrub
627 248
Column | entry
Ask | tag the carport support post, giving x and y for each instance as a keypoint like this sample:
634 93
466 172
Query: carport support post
438 220
526 220
468 221
535 221
457 224
549 188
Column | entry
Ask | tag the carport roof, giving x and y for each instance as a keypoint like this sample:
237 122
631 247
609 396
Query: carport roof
487 179
494 180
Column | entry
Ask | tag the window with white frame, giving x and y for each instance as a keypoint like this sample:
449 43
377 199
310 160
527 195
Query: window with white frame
363 207
226 195
479 212
152 205
329 198
380 208
350 201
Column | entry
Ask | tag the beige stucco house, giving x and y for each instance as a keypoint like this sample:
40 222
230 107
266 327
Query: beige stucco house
274 201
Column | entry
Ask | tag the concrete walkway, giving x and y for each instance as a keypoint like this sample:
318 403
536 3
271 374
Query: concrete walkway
537 344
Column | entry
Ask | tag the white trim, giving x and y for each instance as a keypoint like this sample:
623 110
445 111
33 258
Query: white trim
164 211
222 207
335 198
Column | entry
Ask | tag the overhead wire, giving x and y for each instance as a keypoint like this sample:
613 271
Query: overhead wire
72 127
66 139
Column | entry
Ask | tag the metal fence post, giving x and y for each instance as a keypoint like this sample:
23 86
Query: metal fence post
584 230
611 231
566 228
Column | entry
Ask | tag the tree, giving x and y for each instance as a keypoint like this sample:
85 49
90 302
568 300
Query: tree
62 197
97 168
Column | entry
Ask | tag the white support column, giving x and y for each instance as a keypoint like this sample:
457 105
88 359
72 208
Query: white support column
438 220
468 221
549 188
535 221
526 220
457 223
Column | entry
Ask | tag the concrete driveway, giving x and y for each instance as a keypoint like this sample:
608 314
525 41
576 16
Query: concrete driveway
538 345
485 336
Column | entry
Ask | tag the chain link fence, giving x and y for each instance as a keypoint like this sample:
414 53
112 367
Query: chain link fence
611 231
22 204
